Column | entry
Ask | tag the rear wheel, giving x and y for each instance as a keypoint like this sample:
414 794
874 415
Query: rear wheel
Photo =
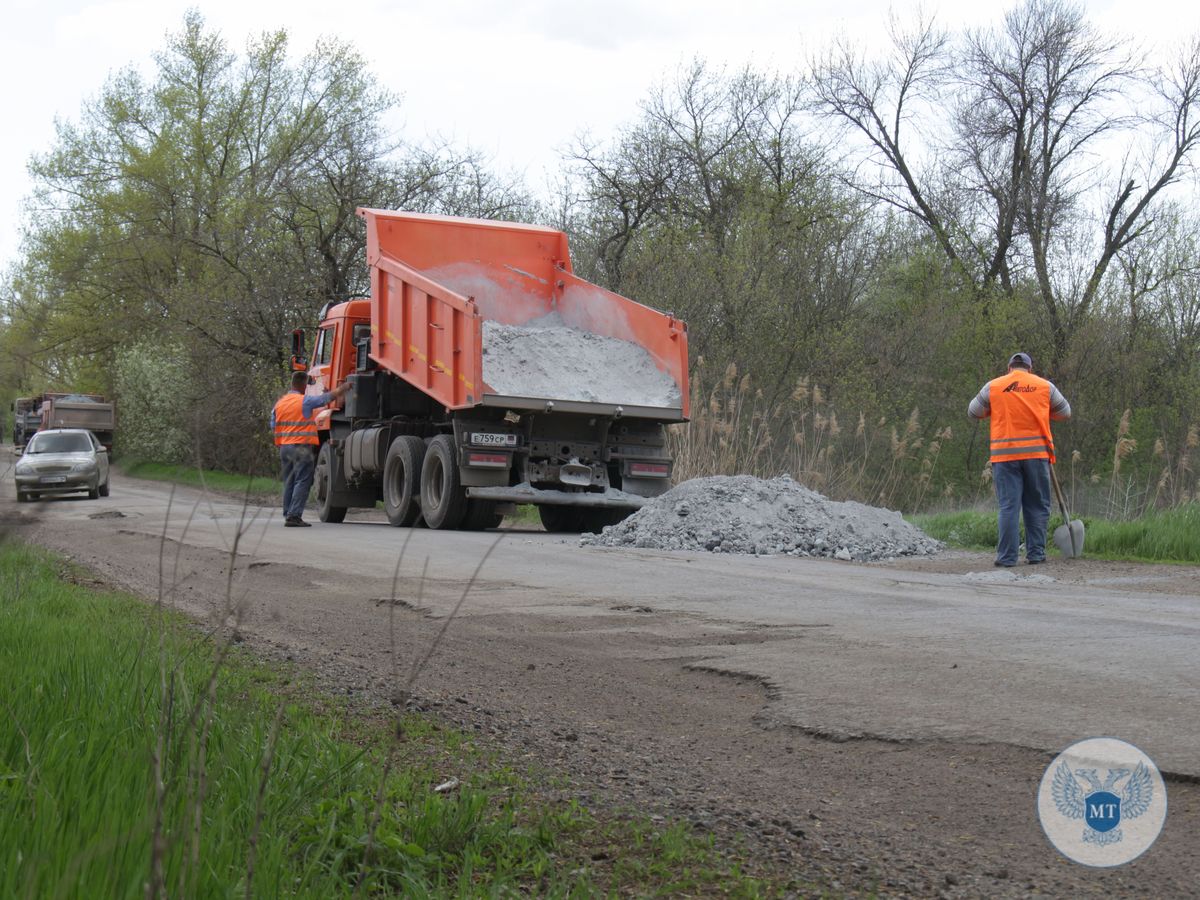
443 498
481 514
402 480
560 518
326 511
594 520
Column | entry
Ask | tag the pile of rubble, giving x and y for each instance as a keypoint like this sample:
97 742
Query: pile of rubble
743 514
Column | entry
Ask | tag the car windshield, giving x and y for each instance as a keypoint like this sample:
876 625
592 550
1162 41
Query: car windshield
60 443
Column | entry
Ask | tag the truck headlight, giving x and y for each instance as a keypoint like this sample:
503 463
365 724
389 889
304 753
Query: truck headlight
24 469
83 467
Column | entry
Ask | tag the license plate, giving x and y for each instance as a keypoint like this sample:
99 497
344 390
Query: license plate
53 479
489 439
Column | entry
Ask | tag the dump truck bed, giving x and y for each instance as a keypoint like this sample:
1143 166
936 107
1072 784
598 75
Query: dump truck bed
94 415
480 313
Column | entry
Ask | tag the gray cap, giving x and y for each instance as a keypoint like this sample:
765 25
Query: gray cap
1020 359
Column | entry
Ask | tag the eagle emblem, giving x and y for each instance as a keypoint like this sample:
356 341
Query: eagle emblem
1099 805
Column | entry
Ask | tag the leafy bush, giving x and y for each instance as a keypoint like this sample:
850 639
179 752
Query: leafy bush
153 391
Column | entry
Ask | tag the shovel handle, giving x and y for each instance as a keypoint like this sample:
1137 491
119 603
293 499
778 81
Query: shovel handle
1062 504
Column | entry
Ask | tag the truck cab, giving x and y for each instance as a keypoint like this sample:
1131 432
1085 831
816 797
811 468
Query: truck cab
344 327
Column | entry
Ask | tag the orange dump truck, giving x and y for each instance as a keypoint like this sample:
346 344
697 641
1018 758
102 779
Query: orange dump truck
484 374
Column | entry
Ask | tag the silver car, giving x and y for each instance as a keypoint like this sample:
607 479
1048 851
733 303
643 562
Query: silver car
62 461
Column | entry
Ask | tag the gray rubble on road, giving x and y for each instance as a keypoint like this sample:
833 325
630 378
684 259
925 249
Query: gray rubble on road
766 517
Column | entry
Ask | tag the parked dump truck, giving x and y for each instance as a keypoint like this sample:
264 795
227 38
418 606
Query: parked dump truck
485 374
90 411
27 419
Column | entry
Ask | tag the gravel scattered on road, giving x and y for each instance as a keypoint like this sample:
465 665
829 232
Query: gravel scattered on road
777 516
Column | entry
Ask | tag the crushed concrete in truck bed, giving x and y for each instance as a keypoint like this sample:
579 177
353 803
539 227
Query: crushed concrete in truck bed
546 358
743 514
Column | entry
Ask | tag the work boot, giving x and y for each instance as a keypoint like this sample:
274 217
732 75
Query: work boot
296 522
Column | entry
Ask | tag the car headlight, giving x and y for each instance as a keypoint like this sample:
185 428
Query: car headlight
86 466
25 469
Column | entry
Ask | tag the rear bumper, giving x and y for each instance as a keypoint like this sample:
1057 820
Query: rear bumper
585 408
609 499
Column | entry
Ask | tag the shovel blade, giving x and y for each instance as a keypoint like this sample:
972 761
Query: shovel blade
1076 537
1069 539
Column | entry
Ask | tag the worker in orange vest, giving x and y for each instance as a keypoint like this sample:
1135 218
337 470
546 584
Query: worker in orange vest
1021 405
296 437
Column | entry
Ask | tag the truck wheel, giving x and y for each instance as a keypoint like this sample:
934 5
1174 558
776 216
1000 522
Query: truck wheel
402 480
326 511
22 497
593 520
481 514
94 493
558 519
443 498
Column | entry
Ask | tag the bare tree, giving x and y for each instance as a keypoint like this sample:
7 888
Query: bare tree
1012 176
718 206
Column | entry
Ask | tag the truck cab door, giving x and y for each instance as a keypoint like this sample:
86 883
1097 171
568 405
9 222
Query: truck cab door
323 371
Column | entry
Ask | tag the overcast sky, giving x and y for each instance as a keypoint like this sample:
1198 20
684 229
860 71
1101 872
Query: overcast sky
514 78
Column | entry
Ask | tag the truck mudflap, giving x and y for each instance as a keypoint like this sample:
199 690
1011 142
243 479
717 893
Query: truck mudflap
525 493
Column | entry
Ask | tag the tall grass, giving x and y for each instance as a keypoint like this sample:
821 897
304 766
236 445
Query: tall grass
904 463
734 430
1169 535
81 690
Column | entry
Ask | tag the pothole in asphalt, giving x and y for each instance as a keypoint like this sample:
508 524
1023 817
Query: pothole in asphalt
107 514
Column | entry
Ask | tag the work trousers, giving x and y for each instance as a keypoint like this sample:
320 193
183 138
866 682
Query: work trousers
1022 491
297 463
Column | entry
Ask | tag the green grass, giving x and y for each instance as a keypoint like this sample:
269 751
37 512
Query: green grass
86 703
526 516
256 486
1171 535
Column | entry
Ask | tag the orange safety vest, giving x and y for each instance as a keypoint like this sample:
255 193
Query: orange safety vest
290 425
1020 403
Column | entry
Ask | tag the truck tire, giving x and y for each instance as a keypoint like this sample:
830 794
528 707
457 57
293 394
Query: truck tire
23 497
104 488
592 521
558 519
402 480
326 511
481 514
443 498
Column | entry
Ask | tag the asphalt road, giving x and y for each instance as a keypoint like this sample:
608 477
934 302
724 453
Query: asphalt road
1020 657
870 729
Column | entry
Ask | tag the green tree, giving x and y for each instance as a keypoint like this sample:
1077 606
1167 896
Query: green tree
212 207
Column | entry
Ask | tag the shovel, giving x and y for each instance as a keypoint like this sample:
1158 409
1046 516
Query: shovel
1068 537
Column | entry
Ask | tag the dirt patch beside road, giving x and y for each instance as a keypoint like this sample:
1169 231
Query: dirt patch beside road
616 697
